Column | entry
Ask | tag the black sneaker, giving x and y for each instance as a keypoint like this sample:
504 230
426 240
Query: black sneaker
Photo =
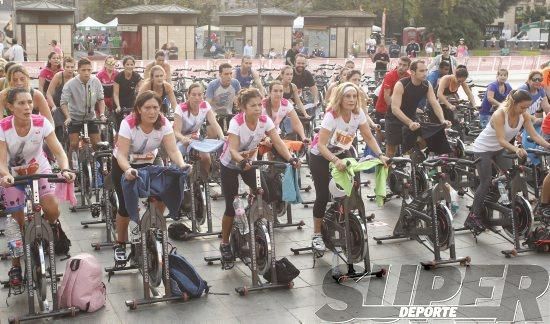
226 253
16 276
474 224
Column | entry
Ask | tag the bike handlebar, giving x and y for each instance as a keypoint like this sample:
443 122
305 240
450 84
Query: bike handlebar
400 160
271 163
52 177
511 156
444 160
538 152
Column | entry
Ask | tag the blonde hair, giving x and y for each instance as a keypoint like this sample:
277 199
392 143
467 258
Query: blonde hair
14 69
515 97
337 96
152 72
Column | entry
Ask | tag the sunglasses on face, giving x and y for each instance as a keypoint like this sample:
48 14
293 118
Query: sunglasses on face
536 79
445 50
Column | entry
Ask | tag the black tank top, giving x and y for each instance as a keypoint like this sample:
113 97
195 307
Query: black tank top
164 99
412 95
289 95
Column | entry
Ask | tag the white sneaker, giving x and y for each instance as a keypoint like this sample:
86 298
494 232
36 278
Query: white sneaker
317 243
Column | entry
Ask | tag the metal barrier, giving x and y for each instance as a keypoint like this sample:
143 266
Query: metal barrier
365 65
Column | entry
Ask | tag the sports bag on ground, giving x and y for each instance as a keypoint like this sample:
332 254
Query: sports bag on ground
286 271
184 279
81 286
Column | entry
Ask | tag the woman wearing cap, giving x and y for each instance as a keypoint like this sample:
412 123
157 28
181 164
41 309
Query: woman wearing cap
338 128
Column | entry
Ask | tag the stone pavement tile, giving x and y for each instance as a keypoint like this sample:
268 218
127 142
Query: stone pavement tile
273 317
256 302
299 297
166 312
306 314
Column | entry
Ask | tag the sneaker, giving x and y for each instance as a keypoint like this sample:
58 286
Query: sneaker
120 253
317 243
226 253
16 276
474 224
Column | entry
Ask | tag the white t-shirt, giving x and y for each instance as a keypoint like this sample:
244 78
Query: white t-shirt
25 154
341 133
284 109
248 139
143 147
191 124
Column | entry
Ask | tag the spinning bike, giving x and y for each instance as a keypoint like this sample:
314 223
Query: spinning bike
425 216
105 201
257 247
39 256
199 208
344 232
149 254
516 218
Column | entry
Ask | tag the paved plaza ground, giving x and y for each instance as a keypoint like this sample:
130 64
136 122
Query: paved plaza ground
297 305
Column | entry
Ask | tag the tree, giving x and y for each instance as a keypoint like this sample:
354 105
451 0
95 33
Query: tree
450 20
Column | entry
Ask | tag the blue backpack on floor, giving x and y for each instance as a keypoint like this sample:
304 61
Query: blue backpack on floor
184 279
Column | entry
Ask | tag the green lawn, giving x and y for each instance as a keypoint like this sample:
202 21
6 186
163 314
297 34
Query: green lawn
521 52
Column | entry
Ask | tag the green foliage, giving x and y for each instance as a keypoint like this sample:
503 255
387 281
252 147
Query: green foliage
450 20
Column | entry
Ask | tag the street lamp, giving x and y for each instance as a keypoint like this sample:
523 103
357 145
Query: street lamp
259 33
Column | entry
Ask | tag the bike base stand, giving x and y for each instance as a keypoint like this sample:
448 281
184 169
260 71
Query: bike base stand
134 303
72 311
514 252
289 221
97 246
92 222
74 209
352 274
244 290
463 261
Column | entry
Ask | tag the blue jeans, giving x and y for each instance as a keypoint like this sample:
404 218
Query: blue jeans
484 120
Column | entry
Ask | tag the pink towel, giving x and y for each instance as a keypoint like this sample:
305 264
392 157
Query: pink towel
65 192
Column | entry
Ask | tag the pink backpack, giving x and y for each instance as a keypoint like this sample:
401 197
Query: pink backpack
81 286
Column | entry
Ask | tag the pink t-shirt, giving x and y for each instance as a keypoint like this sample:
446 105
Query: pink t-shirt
25 154
107 82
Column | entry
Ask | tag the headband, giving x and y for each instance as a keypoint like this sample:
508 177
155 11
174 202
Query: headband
349 88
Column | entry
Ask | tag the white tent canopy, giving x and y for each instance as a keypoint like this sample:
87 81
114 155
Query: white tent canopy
112 23
90 23
205 28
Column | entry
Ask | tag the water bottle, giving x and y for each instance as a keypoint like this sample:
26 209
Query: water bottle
75 161
135 234
13 235
3 239
98 175
503 194
454 200
240 216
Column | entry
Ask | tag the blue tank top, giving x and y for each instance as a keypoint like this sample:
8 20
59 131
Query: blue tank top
244 81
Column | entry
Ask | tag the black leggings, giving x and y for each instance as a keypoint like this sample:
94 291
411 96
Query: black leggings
320 173
117 174
230 185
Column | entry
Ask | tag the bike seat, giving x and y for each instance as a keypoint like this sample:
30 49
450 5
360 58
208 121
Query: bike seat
206 145
101 146
316 130
469 152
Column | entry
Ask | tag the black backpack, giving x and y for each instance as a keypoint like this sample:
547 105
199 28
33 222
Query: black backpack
62 244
